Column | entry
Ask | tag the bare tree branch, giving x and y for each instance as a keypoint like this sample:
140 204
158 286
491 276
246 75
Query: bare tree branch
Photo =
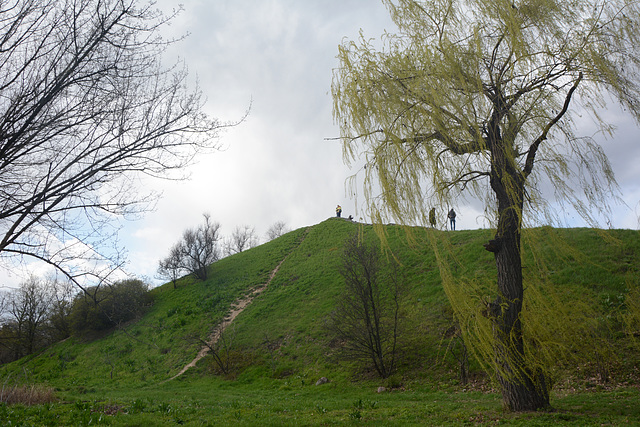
86 106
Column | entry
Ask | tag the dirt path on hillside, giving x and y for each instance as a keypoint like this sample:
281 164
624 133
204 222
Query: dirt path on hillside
236 309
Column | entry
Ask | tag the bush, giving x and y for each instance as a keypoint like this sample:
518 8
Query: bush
105 307
367 314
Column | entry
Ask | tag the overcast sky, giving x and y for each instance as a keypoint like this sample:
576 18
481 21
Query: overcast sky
278 57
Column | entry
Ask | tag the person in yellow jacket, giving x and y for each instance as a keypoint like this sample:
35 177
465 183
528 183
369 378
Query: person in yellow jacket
432 217
338 211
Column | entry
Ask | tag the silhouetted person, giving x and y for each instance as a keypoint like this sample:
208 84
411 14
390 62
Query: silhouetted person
452 218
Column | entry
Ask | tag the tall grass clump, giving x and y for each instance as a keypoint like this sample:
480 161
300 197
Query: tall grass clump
26 394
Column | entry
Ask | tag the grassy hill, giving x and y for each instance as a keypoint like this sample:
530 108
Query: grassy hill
280 346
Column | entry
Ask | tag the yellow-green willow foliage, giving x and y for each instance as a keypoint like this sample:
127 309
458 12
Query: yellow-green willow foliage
480 96
415 113
561 329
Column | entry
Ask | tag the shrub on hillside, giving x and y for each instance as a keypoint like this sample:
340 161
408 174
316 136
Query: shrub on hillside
106 307
367 314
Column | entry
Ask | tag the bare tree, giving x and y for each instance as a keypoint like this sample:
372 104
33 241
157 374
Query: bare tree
86 107
34 315
171 267
367 314
28 308
242 238
62 294
276 230
199 247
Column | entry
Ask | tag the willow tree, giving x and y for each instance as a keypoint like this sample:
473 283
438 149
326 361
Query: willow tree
481 96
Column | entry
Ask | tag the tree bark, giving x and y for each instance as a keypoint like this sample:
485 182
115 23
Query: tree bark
523 388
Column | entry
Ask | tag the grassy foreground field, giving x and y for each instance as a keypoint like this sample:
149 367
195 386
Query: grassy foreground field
210 401
279 346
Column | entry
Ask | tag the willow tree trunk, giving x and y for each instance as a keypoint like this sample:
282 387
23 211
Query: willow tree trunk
523 388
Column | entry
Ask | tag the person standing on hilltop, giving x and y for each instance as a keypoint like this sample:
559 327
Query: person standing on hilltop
432 217
452 219
338 211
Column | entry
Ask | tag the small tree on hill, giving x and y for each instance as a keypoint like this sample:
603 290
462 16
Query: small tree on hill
171 267
366 317
197 249
241 239
276 230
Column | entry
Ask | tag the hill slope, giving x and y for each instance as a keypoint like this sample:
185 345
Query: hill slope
281 333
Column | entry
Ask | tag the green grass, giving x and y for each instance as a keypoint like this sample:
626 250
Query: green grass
281 348
212 401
